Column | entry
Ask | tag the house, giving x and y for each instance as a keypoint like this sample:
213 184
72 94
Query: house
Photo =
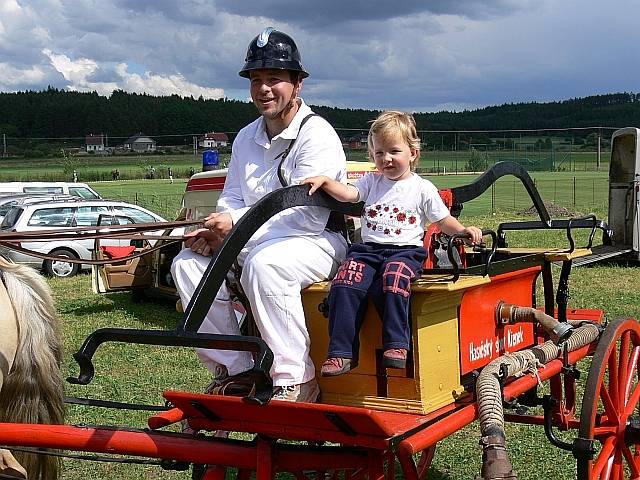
94 143
140 143
356 142
213 140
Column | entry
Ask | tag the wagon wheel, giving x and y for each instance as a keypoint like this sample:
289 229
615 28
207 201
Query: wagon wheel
609 415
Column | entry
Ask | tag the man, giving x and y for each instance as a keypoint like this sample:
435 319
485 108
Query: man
285 145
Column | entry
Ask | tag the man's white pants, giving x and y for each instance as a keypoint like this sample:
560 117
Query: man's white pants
273 274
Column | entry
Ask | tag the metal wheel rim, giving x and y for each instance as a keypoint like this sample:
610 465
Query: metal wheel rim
611 398
61 269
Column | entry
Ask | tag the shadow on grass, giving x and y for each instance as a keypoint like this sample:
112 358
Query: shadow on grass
436 475
160 312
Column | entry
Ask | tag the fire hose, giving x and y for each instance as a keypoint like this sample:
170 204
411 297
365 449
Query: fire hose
563 335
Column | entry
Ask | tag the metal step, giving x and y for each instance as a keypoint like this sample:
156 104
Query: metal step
602 252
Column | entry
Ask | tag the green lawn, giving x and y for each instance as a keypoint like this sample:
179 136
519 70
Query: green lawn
140 373
578 192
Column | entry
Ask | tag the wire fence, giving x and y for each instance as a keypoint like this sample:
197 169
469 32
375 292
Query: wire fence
564 196
560 149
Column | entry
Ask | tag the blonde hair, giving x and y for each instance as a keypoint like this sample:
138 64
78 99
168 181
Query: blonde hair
392 123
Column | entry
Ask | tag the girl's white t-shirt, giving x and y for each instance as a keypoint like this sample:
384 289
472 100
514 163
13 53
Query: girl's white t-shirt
397 212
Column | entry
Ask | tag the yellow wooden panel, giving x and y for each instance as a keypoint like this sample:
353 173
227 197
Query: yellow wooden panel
435 381
551 254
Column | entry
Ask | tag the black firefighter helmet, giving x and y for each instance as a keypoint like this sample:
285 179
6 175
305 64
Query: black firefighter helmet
273 49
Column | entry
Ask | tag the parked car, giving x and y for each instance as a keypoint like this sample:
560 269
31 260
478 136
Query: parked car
7 202
80 190
150 274
63 215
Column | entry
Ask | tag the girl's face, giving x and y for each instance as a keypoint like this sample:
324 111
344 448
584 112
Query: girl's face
393 156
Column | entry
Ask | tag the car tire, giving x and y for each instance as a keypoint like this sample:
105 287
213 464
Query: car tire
138 295
60 269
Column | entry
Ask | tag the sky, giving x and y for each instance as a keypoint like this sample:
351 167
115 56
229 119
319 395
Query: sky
412 55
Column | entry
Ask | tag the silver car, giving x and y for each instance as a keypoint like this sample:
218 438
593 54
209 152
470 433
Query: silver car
64 215
7 202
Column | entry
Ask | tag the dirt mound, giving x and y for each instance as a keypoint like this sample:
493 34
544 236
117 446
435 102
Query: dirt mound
554 211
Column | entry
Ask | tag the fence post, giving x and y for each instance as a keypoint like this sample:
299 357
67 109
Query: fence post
574 192
493 197
598 159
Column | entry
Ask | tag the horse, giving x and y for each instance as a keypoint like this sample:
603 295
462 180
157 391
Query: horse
31 385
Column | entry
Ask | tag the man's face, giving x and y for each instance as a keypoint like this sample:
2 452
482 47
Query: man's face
271 90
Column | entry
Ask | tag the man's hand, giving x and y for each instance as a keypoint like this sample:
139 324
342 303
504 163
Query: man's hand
205 240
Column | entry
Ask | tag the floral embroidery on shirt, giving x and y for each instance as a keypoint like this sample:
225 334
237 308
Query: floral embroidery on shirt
388 219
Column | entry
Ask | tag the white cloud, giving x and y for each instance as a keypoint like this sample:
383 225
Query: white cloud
11 77
164 85
78 75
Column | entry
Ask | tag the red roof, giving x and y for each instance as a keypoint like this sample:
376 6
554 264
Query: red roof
94 140
218 137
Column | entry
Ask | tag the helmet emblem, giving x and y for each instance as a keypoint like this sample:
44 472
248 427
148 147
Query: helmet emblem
263 38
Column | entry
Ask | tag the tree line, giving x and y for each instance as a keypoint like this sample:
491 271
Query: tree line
57 114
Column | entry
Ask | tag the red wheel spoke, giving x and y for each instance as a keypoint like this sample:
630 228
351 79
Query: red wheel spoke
607 402
631 461
613 377
622 367
604 431
616 468
633 401
631 370
604 457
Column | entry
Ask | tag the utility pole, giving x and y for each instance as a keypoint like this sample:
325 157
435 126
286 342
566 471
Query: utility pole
598 158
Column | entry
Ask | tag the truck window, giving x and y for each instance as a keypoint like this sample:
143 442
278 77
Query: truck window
43 190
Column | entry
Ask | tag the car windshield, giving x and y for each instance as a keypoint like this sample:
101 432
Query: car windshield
82 192
6 206
138 216
11 218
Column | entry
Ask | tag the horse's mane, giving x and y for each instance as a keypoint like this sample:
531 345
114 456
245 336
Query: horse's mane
33 391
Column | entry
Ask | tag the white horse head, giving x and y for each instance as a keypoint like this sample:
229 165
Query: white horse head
31 386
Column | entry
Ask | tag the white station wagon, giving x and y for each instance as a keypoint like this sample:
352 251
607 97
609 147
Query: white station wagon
66 214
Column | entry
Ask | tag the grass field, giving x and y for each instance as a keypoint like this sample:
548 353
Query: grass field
131 167
140 373
578 192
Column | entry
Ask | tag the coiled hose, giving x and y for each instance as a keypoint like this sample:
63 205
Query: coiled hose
495 461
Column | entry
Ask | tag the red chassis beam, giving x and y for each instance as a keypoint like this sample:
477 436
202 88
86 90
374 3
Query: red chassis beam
181 447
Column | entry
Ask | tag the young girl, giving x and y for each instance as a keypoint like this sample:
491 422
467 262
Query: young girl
398 205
